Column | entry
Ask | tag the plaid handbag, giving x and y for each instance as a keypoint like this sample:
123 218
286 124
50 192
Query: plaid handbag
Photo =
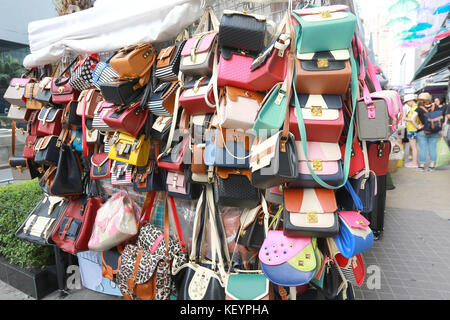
81 75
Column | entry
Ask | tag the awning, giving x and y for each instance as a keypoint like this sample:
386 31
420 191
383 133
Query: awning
108 26
437 59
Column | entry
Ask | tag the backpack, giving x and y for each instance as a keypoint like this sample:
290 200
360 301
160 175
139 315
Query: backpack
434 120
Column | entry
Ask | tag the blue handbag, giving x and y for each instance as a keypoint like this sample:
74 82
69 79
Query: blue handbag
231 153
355 235
77 140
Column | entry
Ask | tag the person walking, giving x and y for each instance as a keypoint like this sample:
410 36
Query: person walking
426 141
411 129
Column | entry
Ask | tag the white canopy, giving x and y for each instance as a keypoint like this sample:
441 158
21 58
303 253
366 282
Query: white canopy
108 26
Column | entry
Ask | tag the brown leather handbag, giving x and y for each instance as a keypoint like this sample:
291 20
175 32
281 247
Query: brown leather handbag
91 98
135 61
31 90
326 72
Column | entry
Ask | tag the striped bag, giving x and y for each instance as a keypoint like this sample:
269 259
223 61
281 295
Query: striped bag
102 109
168 62
162 101
121 173
103 73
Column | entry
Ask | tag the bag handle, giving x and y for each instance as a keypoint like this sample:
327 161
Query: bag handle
58 81
204 22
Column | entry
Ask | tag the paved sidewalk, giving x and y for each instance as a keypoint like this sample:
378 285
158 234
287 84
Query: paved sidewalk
413 253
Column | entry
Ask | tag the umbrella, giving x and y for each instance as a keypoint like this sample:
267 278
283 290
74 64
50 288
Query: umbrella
420 27
398 21
402 6
442 35
413 36
442 9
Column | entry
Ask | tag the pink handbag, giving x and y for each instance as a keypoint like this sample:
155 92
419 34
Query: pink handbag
234 70
176 182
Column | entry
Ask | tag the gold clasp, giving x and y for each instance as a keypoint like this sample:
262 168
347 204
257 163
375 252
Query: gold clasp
316 111
311 217
279 98
322 63
61 89
317 165
17 86
361 222
325 14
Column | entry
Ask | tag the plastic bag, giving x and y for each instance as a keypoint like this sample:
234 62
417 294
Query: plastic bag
443 153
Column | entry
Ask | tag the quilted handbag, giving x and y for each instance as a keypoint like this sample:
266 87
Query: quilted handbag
87 102
49 121
238 108
232 188
168 62
129 149
28 149
149 178
135 61
47 151
242 30
15 93
102 109
81 73
22 168
335 23
18 113
116 221
162 101
121 173
44 93
103 73
120 91
323 117
227 148
355 235
288 261
310 213
127 119
326 72
253 226
100 166
192 98
234 69
41 221
378 156
324 159
31 90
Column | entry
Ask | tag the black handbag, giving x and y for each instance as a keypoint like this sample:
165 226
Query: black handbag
67 179
253 226
232 188
358 194
22 168
242 31
47 152
70 114
149 178
39 225
120 92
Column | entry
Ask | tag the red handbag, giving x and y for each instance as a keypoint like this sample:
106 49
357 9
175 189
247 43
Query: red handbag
356 159
378 154
49 121
271 65
234 70
127 120
62 92
100 166
174 161
89 214
192 99
34 123
28 150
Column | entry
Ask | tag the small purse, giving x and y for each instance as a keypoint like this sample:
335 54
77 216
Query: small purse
49 121
359 192
161 103
121 173
129 120
120 91
253 226
15 93
234 69
31 90
87 102
47 151
310 213
232 188
378 155
69 115
179 185
168 62
129 149
149 178
192 98
44 93
354 236
28 149
19 114
100 166
22 168
174 161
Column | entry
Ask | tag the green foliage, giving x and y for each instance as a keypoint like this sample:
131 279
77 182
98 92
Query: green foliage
23 197
5 122
9 68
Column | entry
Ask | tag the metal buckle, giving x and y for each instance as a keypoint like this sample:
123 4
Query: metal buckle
371 114
317 165
325 14
61 89
316 111
361 222
322 63
311 217
279 98
17 86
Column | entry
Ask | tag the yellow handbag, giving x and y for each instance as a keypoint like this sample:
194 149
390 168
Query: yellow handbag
129 149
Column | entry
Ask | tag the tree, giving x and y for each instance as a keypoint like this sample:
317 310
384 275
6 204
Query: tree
9 68
69 6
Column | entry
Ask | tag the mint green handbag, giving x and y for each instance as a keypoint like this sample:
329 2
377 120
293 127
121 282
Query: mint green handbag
324 28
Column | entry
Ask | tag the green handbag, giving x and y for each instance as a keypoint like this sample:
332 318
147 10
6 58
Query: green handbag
247 286
324 28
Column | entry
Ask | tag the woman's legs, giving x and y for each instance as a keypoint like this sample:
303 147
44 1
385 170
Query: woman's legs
432 143
423 148
415 151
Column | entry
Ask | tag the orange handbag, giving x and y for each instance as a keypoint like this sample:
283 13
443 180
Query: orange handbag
31 90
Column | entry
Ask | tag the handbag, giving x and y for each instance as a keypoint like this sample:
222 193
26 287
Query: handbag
325 72
19 113
77 140
242 30
325 160
44 94
129 149
160 128
162 101
89 216
168 62
116 221
104 73
87 102
69 115
41 221
49 121
335 23
378 155
232 188
46 151
238 108
28 149
323 117
310 213
121 173
135 61
362 189
355 235
22 168
102 109
198 52
200 279
247 286
288 261
274 195
149 178
15 93
227 148
81 73
62 92
356 158
234 69
93 137
31 90
100 166
111 262
192 98
179 185
129 120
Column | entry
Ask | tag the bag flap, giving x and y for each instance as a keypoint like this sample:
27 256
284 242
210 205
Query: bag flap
247 286
317 200
45 83
18 162
175 179
246 14
43 142
166 53
202 43
248 216
233 93
203 81
62 89
278 248
19 82
99 159
224 172
306 260
354 220
48 114
313 220
323 151
323 101
163 90
262 152
333 55
161 123
321 14
232 135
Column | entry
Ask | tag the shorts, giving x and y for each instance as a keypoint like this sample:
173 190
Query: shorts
412 135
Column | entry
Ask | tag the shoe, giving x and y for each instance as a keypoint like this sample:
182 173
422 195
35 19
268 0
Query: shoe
390 187
411 165
421 169
431 169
